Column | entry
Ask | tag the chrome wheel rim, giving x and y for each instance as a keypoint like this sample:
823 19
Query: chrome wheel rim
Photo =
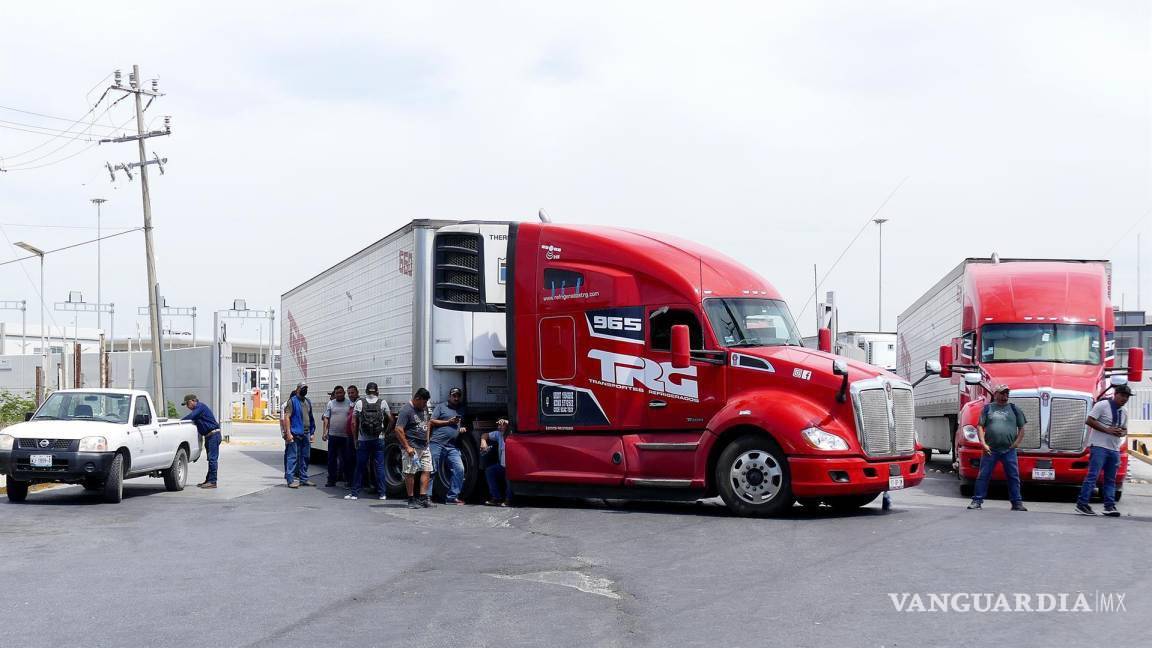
181 471
756 477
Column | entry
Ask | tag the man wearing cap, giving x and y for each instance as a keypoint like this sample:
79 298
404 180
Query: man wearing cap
299 426
1001 431
1109 423
205 422
446 427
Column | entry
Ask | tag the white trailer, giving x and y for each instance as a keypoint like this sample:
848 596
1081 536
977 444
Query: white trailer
374 317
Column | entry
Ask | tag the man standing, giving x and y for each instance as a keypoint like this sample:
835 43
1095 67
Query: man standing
495 472
370 419
299 426
412 433
446 426
1001 431
336 434
205 422
1109 423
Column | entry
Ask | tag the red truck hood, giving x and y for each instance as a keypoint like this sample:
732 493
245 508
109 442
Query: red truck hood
1037 375
819 362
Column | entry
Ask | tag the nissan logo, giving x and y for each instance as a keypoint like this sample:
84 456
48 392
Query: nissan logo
44 443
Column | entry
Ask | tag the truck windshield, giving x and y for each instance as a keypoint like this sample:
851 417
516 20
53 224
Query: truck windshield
743 322
1071 343
80 406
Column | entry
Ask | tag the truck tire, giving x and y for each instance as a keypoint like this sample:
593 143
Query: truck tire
393 467
17 491
113 490
849 502
753 478
470 456
177 476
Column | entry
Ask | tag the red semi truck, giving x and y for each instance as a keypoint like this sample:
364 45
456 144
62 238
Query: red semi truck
631 365
1044 328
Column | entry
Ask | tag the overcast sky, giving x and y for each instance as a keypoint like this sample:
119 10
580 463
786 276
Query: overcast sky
768 130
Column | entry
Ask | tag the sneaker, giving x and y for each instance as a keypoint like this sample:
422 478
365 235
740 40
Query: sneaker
383 497
1111 511
1084 509
426 503
975 506
412 503
213 485
1019 506
294 484
307 482
350 496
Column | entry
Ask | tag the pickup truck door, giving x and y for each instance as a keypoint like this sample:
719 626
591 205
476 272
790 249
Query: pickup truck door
145 424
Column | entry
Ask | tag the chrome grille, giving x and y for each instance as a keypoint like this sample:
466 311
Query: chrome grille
1030 408
873 405
904 408
1066 424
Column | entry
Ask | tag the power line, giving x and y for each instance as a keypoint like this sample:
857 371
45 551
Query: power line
69 247
78 227
47 128
51 139
22 166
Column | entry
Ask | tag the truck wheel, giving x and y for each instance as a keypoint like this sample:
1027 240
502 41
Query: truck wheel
176 476
753 478
470 457
114 485
17 491
393 468
849 502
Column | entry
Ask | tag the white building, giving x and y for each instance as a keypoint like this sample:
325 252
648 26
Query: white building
58 338
874 347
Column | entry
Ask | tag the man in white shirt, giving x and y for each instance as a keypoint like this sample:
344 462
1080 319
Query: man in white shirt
1109 423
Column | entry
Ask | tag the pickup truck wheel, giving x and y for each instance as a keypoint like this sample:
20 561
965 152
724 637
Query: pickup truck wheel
114 485
17 491
753 477
176 476
849 502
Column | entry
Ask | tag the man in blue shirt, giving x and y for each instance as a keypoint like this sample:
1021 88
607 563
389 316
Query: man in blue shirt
209 428
446 427
299 426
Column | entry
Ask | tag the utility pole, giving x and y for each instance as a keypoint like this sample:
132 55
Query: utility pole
1137 271
880 278
136 87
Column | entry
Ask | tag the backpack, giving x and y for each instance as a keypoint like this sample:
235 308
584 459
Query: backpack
372 418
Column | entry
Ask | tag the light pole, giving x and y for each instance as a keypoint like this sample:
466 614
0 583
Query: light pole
43 340
880 277
99 296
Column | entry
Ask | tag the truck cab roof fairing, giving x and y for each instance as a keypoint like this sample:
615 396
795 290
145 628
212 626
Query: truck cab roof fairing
1047 291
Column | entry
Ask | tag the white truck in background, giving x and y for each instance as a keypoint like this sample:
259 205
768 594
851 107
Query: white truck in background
96 438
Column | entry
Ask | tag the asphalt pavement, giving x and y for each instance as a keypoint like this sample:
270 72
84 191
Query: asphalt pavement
257 564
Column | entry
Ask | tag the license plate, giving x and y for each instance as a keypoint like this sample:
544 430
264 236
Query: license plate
1043 473
895 483
41 461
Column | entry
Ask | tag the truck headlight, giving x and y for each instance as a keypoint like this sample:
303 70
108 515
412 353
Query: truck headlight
6 441
824 440
970 434
93 444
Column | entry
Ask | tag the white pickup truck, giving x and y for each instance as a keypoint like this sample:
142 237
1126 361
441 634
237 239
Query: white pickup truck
97 438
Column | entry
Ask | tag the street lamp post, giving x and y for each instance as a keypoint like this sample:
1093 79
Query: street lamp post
880 277
43 340
99 264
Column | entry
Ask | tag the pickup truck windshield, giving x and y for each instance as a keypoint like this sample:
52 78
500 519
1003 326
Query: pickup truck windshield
81 406
743 322
1071 343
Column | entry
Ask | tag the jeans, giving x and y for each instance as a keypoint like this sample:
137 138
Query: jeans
341 458
296 456
1011 472
374 449
451 454
497 486
212 445
1107 460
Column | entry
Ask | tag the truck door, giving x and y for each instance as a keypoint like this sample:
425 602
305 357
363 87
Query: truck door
679 402
151 456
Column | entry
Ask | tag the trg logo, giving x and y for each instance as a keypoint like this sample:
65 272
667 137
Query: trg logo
645 375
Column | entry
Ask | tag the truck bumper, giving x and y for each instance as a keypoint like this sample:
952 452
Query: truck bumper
67 466
1070 469
831 476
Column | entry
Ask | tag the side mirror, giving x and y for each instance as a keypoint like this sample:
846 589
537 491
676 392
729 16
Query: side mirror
28 416
972 378
945 361
824 340
932 367
1135 364
141 419
839 367
681 347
